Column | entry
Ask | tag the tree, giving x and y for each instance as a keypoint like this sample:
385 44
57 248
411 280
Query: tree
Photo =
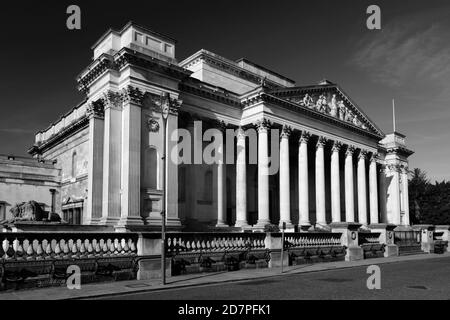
417 189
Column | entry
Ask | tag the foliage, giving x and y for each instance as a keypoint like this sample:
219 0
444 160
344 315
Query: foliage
428 203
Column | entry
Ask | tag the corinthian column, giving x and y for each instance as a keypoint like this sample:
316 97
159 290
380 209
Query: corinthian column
349 190
96 116
263 174
221 185
285 199
335 183
241 181
320 182
112 158
131 157
373 190
362 188
303 190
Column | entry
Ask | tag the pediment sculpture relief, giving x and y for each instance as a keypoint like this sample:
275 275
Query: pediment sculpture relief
329 104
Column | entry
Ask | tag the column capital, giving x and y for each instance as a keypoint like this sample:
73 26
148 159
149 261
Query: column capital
350 151
321 142
286 131
240 133
304 137
362 154
96 109
262 125
337 146
404 169
112 99
133 95
374 157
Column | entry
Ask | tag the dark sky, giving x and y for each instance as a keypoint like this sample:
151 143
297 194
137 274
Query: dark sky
409 59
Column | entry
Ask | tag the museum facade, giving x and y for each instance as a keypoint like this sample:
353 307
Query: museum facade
335 164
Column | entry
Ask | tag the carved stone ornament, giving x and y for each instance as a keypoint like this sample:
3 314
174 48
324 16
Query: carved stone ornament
96 109
152 124
304 137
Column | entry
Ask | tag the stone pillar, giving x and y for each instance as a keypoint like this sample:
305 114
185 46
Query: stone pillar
373 190
221 186
131 157
112 152
349 239
404 173
96 114
427 236
394 194
285 199
303 188
241 181
335 183
362 188
349 191
273 243
386 237
320 182
263 174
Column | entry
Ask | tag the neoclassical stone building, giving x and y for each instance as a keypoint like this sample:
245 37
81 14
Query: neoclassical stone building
336 165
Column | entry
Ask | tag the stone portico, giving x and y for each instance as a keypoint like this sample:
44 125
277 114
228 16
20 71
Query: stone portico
335 164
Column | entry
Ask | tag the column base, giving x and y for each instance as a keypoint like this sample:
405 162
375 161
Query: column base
222 224
261 224
92 221
241 224
130 221
109 221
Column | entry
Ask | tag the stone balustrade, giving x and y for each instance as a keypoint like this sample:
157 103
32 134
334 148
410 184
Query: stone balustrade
39 246
298 240
213 242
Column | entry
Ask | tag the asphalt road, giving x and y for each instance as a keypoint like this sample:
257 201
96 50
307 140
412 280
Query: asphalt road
422 279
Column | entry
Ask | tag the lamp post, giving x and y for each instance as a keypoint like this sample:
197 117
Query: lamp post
165 107
164 104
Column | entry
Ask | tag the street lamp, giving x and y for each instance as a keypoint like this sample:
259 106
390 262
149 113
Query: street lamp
165 107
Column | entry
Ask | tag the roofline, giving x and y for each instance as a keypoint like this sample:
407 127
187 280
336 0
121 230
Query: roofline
129 24
265 69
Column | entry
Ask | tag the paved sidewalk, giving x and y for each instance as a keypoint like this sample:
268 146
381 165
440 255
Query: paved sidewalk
134 286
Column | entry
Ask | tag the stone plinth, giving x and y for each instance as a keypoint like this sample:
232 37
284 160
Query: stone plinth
386 237
273 242
349 238
427 236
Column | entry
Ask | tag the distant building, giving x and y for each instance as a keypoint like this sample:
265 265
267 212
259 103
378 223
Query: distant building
336 164
25 179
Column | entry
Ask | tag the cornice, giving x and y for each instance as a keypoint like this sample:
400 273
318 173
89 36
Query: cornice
76 127
205 92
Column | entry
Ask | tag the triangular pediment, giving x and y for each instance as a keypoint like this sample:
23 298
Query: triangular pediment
329 99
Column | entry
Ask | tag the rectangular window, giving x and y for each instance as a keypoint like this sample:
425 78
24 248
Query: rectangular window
2 211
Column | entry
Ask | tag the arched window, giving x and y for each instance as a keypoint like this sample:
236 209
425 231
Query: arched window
208 186
151 168
73 171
